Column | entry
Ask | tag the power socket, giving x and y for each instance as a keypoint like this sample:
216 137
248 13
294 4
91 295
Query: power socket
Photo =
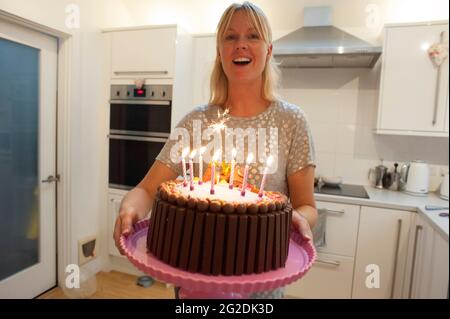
87 249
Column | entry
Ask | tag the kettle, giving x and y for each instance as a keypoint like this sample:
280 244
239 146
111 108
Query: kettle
414 178
444 188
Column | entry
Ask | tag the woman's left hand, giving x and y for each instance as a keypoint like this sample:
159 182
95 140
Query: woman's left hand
300 225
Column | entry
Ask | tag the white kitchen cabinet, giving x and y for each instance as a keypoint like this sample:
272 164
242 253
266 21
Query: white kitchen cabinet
428 263
413 96
161 55
143 52
331 276
381 253
114 200
341 228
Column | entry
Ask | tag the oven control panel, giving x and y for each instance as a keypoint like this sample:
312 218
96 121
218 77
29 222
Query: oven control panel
146 93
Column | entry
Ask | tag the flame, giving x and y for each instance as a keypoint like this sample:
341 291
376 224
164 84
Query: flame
249 158
216 155
185 152
234 153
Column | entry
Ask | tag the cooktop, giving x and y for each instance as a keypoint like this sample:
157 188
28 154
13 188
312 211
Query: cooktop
342 190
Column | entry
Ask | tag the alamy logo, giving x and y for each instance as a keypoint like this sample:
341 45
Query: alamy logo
373 18
261 142
373 279
73 16
73 277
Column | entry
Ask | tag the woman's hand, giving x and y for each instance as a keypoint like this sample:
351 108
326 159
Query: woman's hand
124 226
138 202
300 225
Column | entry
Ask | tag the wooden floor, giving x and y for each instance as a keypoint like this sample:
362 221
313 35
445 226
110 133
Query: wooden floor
117 285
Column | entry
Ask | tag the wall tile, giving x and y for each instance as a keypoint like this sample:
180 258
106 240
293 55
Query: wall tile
325 162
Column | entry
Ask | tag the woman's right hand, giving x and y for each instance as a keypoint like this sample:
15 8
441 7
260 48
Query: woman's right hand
124 226
137 202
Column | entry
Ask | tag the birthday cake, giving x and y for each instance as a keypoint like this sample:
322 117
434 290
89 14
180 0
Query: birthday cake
220 232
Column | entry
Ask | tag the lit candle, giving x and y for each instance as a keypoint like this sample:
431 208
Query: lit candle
268 163
183 165
244 183
233 162
191 169
213 171
200 165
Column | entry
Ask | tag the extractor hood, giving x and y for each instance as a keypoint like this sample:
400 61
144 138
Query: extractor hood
320 45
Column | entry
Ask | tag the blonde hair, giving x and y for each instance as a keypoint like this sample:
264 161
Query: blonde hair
270 76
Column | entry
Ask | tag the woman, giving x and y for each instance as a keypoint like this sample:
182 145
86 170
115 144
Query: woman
243 83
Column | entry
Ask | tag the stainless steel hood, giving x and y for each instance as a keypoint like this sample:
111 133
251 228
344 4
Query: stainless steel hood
320 45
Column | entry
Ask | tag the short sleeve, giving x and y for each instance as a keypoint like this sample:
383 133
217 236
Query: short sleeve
170 154
301 152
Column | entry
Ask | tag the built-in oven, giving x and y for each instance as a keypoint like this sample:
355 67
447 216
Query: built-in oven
140 120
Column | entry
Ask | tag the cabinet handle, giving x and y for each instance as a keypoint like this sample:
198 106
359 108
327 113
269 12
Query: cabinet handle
438 78
333 211
416 235
139 72
328 262
136 138
394 273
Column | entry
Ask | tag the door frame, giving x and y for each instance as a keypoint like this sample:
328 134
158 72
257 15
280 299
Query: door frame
63 197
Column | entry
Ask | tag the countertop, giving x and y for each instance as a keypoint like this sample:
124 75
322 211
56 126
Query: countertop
401 201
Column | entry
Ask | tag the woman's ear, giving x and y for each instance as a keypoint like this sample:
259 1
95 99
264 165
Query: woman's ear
269 50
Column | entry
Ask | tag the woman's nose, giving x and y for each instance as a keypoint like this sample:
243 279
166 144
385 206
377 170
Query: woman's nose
241 44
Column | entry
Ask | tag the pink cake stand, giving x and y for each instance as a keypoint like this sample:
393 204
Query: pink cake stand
301 256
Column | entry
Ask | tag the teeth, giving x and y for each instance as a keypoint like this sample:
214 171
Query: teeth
242 60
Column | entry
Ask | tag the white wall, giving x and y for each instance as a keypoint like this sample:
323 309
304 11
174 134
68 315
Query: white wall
88 105
201 16
341 106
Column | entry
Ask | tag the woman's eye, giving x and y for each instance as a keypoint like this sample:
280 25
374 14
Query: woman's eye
254 36
230 37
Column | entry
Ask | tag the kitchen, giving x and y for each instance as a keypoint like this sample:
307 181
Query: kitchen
373 112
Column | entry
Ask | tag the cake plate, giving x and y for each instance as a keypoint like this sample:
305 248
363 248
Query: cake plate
302 255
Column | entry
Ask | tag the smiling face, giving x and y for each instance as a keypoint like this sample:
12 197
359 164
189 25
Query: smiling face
243 51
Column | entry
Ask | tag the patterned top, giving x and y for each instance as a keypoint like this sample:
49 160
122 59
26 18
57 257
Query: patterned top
281 131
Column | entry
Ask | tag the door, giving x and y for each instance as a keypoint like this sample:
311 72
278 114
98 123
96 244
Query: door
414 92
28 69
428 276
130 158
150 54
381 253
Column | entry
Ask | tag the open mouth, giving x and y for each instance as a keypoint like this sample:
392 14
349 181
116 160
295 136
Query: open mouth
242 61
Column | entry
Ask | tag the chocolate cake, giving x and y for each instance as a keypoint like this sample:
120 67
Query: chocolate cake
220 234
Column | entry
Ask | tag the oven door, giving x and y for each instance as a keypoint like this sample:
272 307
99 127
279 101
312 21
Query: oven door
130 157
144 118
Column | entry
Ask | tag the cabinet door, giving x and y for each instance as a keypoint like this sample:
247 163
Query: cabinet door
113 211
446 114
341 228
412 90
381 253
329 277
148 53
429 263
439 268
